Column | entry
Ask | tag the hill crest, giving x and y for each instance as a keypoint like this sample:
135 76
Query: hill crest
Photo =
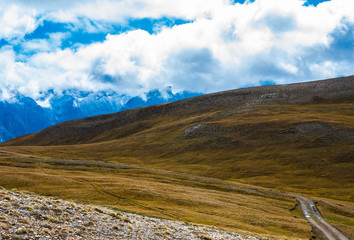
104 127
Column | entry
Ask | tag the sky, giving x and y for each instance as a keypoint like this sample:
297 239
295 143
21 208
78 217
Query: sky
134 46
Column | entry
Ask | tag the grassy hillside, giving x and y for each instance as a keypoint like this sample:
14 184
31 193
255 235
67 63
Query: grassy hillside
307 148
295 138
227 205
118 125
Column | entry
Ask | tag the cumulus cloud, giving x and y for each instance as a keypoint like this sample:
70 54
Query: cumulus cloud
224 46
54 41
16 21
116 10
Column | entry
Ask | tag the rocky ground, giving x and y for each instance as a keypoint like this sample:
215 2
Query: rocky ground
28 216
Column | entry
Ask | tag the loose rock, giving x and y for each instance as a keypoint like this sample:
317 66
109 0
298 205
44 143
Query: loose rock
24 216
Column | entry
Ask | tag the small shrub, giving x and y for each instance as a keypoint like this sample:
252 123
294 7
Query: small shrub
57 210
45 231
90 223
28 208
64 229
53 220
205 237
98 210
24 221
6 197
21 230
115 215
87 208
47 226
37 213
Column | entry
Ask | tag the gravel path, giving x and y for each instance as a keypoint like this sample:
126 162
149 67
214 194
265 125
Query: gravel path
25 216
315 218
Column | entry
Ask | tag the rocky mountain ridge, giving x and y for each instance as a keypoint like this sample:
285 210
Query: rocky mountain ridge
22 115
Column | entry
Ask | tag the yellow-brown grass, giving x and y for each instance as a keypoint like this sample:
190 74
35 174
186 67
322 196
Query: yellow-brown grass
262 150
259 145
164 194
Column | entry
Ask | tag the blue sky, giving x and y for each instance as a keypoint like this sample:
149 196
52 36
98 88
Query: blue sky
134 46
82 36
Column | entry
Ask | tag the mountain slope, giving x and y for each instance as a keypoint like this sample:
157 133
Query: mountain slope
108 127
293 137
296 138
22 115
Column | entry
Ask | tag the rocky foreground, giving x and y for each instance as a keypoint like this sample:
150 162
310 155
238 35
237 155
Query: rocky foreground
27 216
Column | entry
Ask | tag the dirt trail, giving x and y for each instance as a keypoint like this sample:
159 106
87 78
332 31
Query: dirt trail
315 218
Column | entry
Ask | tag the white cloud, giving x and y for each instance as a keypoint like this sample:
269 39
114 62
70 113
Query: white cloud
16 21
120 10
44 45
226 46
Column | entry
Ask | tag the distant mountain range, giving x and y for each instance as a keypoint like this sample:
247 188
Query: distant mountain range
22 115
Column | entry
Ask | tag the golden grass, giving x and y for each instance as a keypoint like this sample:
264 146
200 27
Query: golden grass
226 205
265 154
260 149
